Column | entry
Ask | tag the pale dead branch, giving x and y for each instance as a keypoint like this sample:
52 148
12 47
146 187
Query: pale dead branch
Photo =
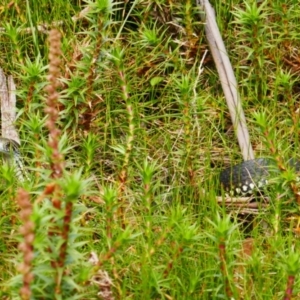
8 107
227 78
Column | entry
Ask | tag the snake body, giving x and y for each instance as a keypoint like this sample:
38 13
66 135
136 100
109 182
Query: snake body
251 175
10 150
241 179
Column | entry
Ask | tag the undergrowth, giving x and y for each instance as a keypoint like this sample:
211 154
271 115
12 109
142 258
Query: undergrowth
124 130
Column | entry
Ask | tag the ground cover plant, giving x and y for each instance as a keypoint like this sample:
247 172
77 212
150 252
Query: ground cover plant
124 130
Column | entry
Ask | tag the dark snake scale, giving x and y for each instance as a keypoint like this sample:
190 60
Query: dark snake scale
251 175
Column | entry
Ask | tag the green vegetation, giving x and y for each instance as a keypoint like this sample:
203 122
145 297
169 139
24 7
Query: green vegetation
138 135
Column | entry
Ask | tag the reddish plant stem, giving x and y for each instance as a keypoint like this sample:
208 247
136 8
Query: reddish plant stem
56 160
289 288
26 246
65 234
169 267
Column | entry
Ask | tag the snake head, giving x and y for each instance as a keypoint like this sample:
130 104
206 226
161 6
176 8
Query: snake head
8 146
10 150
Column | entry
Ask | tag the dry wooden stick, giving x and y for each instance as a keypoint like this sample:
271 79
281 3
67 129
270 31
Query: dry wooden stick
8 107
227 78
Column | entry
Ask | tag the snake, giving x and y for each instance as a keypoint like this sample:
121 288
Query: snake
10 150
242 179
252 175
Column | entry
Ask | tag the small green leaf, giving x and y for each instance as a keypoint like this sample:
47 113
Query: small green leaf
156 80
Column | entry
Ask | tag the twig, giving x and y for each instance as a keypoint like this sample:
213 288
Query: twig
193 103
227 78
8 107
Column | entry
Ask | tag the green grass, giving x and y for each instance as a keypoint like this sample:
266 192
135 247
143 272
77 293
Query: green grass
144 135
